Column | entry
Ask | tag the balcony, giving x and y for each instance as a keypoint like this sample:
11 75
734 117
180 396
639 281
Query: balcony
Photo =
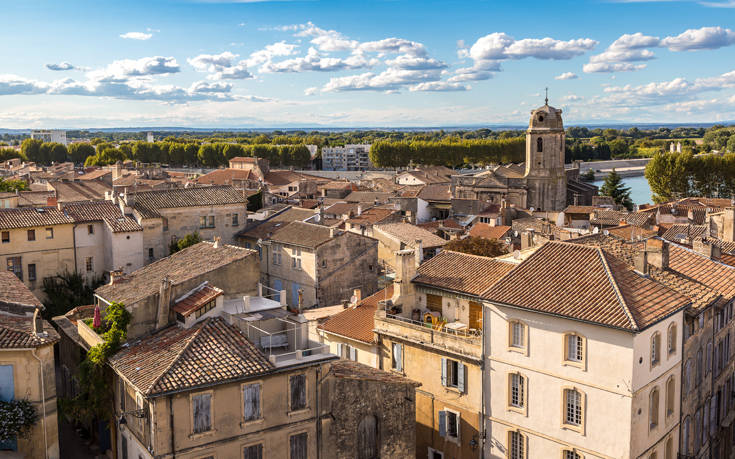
463 342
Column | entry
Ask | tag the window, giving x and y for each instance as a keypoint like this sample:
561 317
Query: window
516 391
685 436
90 229
347 352
573 409
670 396
14 266
206 221
699 366
516 445
49 233
397 357
574 348
164 223
251 401
89 264
687 376
708 366
434 303
235 221
297 384
655 349
150 253
31 235
517 335
32 272
653 408
296 260
539 144
205 309
570 454
367 438
253 452
202 412
671 339
210 221
298 445
653 455
434 454
453 374
276 254
449 424
6 237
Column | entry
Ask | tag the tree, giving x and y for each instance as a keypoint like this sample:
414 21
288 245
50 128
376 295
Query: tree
67 290
614 188
187 241
477 246
80 151
12 185
31 148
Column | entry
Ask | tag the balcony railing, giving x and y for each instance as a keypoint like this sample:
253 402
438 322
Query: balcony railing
464 333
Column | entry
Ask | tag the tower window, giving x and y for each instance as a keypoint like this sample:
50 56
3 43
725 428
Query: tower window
539 144
541 118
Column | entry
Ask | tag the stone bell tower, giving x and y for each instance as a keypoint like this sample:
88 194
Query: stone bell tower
545 176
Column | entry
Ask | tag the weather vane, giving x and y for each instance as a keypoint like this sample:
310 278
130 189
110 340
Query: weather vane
547 96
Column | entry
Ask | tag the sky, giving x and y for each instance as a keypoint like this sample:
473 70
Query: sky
389 63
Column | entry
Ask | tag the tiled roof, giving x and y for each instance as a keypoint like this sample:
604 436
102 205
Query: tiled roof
408 234
586 283
631 232
580 209
280 178
181 266
16 332
264 229
34 198
196 299
358 323
226 176
685 233
80 190
148 203
175 359
14 291
368 197
489 232
342 208
461 272
711 273
95 174
608 217
436 192
641 219
302 234
337 185
347 369
372 216
28 217
105 211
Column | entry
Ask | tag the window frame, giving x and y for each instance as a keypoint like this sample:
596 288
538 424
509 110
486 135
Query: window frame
32 274
396 364
522 441
250 445
5 237
259 416
235 219
291 408
89 264
583 407
654 420
581 341
670 395
523 407
90 229
655 350
523 348
671 339
31 235
296 258
211 429
576 454
457 423
50 233
298 434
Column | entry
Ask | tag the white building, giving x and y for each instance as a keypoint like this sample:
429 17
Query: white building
351 157
50 135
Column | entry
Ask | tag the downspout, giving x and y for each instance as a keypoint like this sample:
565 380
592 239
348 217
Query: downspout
483 432
318 414
43 403
171 416
74 244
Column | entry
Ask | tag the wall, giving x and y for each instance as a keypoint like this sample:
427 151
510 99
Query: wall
351 263
91 245
126 251
367 354
605 379
27 383
305 276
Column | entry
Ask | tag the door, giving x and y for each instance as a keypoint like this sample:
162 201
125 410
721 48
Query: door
434 303
7 393
277 286
475 315
295 293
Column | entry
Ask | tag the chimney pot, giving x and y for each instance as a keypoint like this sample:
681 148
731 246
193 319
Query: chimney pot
658 253
37 322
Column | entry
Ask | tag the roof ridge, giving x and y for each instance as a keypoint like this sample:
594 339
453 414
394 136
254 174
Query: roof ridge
168 368
611 275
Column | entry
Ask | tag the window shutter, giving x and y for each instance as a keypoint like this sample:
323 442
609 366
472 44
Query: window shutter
353 353
444 372
459 425
399 360
460 376
339 350
442 423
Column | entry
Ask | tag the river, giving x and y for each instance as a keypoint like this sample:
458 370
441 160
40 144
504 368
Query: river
640 192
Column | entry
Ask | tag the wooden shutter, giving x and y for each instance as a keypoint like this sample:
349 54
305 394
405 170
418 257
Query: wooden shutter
434 303
460 376
444 372
442 423
353 353
7 386
339 350
298 392
475 315
202 413
251 400
298 446
367 438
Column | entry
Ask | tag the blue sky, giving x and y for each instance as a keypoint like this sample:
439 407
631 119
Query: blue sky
77 64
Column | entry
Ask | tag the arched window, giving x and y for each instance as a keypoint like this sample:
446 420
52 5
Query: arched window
670 396
574 349
699 367
516 445
685 436
653 408
539 144
655 349
367 438
669 449
688 376
671 341
573 415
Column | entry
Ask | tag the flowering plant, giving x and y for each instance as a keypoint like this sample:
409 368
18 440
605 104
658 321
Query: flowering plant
16 418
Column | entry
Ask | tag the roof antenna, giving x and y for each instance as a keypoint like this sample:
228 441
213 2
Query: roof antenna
547 96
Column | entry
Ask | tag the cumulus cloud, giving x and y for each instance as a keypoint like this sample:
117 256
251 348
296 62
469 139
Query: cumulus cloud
62 66
566 76
311 91
136 35
326 40
392 79
609 67
314 61
439 86
221 66
704 38
125 69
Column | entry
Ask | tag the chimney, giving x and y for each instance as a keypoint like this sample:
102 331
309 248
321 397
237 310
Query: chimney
403 291
51 201
357 295
705 247
640 262
657 252
359 209
164 300
419 246
116 276
37 322
332 232
728 225
217 242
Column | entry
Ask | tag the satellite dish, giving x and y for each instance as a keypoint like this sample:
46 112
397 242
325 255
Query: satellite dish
260 241
531 209
596 230
606 232
515 233
517 254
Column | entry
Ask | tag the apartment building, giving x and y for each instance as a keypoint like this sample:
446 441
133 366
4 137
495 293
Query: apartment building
27 368
351 157
50 135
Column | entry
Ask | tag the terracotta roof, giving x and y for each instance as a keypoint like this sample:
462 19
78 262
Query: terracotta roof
104 211
586 283
28 217
489 232
368 197
410 191
86 190
280 178
226 176
711 273
408 234
181 266
631 232
175 359
436 192
337 185
148 203
95 174
608 217
34 198
358 323
342 208
372 216
16 331
264 229
196 299
347 369
580 209
685 233
461 272
641 219
447 223
13 291
302 234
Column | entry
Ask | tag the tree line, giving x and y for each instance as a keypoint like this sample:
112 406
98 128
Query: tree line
451 152
678 175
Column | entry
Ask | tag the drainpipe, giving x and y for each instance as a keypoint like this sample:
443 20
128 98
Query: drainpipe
43 403
318 414
483 426
171 416
74 244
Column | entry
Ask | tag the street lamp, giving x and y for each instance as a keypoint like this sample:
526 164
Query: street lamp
135 413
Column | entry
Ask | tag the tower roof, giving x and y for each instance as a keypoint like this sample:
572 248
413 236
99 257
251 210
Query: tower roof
546 117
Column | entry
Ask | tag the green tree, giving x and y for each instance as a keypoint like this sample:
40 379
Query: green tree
31 149
186 241
12 185
80 151
613 187
67 290
477 246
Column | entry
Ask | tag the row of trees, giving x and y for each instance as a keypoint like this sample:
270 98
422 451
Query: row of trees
677 175
452 152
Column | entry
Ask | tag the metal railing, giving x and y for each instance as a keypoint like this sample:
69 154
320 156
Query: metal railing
468 333
299 354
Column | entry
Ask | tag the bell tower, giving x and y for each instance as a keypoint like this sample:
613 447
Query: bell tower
545 176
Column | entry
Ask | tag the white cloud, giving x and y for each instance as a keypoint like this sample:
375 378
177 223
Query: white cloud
635 41
62 66
566 76
704 38
605 67
221 66
269 52
132 68
14 84
392 79
326 40
314 61
410 62
392 45
439 86
136 35
311 91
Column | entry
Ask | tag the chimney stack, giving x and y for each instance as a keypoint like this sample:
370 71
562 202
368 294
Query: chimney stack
640 262
359 209
37 322
705 247
164 300
728 225
116 276
217 242
403 291
657 252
